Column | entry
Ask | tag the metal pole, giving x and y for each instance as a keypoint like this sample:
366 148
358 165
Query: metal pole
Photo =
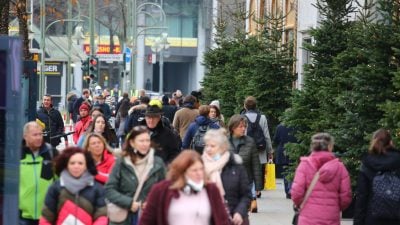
134 42
161 69
42 40
68 75
91 26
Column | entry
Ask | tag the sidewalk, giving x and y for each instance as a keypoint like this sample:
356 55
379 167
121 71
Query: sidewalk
275 209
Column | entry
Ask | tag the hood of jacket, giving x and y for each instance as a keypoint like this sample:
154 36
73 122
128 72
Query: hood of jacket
202 120
325 162
388 161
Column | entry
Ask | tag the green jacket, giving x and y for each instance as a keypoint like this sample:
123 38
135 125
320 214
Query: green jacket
35 176
123 182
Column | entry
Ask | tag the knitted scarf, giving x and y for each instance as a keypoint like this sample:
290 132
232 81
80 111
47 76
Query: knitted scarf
73 184
214 168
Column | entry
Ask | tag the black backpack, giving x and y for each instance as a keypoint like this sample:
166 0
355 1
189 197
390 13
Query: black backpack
255 131
134 119
385 198
198 139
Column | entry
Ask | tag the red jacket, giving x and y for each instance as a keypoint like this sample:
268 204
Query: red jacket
159 200
104 167
80 128
331 194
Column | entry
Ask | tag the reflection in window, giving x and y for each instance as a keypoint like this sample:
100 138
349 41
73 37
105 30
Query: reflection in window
182 17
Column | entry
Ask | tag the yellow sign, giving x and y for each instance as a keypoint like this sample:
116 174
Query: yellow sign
175 42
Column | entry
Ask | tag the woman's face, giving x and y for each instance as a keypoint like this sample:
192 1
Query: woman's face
213 113
141 143
240 130
212 148
195 172
99 125
95 146
77 165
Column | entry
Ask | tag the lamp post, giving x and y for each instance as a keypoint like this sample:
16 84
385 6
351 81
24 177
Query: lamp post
160 45
43 53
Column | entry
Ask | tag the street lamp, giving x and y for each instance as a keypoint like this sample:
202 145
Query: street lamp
43 53
160 45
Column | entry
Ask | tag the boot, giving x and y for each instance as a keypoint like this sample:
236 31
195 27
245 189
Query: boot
253 206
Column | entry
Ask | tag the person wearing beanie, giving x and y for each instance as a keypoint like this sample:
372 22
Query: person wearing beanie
83 123
165 141
185 116
168 110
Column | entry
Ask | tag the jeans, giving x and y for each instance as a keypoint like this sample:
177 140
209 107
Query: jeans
253 190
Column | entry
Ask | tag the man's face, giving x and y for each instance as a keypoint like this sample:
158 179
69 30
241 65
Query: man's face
152 121
34 137
46 101
86 95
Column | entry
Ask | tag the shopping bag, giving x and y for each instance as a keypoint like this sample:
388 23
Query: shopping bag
270 182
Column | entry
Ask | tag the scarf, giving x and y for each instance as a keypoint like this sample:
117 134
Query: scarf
73 184
142 166
214 168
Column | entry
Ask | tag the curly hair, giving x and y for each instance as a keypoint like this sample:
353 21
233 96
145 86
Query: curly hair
61 161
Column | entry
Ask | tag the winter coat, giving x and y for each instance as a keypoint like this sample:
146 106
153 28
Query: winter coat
252 116
248 151
105 108
88 206
104 167
80 128
159 200
165 141
235 182
193 127
283 135
331 194
123 182
169 111
35 177
54 124
183 118
387 162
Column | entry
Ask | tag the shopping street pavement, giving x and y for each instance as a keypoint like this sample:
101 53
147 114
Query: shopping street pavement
275 209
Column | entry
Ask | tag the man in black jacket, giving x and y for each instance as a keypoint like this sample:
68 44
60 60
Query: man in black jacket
51 117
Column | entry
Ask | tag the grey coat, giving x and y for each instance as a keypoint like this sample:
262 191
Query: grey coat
123 182
248 151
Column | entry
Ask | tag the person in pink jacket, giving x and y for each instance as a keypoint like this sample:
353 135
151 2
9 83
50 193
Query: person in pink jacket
332 192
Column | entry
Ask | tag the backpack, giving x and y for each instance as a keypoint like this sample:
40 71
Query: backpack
134 119
255 131
198 139
385 199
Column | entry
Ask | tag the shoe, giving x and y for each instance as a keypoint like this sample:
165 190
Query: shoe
288 196
253 206
258 194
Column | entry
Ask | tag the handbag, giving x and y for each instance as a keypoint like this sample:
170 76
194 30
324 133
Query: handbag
270 179
117 214
295 219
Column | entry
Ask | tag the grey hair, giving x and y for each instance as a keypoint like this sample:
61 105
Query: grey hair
321 142
219 136
28 126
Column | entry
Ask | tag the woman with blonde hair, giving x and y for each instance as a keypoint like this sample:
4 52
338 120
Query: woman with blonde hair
101 154
185 197
226 170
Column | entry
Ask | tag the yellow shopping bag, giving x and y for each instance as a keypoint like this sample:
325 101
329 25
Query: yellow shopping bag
270 182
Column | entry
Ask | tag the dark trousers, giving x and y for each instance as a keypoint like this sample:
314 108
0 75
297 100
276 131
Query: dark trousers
23 221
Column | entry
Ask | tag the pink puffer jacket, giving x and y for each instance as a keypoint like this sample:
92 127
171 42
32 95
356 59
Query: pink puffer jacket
331 194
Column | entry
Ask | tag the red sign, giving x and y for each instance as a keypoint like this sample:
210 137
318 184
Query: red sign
103 49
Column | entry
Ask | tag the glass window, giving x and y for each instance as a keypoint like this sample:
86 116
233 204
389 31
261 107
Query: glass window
182 17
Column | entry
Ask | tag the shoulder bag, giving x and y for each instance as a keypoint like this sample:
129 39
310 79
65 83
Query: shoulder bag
308 193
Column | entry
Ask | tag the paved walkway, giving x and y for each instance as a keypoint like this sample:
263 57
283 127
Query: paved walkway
275 209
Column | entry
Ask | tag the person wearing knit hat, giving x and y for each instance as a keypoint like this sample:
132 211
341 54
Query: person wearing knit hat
216 103
83 123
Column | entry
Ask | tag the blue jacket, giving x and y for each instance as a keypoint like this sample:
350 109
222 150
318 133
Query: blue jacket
194 126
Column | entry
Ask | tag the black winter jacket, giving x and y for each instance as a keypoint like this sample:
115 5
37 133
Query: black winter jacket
249 153
373 163
54 124
235 182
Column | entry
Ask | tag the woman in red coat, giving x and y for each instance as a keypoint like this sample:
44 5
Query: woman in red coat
185 197
104 159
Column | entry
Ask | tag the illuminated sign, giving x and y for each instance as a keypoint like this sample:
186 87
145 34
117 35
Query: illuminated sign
103 49
52 69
